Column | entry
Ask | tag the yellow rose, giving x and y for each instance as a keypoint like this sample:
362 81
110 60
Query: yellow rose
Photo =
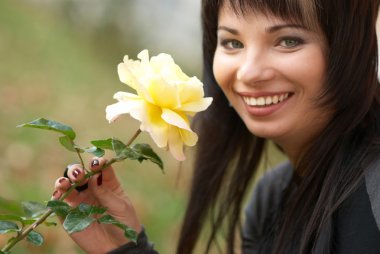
165 98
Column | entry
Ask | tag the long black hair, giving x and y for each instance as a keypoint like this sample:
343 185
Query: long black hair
332 165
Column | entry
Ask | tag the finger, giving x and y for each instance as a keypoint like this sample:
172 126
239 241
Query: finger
56 195
62 184
75 173
107 175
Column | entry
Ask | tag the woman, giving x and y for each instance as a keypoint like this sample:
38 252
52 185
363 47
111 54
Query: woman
304 75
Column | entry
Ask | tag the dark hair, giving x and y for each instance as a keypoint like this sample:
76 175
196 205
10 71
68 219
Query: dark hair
332 165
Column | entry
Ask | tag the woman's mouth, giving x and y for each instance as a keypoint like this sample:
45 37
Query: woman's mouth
264 101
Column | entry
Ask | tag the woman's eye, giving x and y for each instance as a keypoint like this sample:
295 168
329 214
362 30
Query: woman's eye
290 42
232 44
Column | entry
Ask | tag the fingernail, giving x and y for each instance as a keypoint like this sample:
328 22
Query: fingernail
76 172
61 180
94 163
100 180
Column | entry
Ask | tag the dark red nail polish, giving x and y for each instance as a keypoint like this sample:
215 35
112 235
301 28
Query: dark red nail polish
94 163
100 180
61 180
76 172
55 193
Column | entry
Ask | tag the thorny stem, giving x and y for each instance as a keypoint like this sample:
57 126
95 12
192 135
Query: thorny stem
24 233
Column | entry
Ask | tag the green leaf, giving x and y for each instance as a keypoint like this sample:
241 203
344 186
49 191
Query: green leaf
33 209
68 143
119 147
42 123
35 238
90 210
146 152
139 152
95 151
129 232
103 144
60 208
128 153
8 227
123 152
77 221
11 217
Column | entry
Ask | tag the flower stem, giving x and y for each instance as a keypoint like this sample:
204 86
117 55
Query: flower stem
133 137
80 158
24 233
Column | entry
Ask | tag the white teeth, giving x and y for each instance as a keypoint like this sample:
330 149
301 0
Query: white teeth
261 101
252 101
265 101
275 99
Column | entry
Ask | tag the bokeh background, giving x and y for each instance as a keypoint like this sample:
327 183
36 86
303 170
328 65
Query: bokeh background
58 61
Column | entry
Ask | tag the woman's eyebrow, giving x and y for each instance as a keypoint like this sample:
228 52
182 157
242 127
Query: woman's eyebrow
275 28
228 29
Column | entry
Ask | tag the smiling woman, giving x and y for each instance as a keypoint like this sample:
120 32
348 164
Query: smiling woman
262 65
292 74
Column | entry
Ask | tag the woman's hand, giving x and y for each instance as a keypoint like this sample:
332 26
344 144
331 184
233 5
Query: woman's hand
104 190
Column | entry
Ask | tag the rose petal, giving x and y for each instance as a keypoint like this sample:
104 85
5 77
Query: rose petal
196 106
189 138
152 122
175 119
191 90
127 103
123 96
115 110
162 93
175 144
126 76
144 57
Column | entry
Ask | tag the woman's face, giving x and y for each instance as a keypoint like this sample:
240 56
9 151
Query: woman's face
272 72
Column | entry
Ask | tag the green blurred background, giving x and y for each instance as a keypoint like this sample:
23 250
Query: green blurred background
58 60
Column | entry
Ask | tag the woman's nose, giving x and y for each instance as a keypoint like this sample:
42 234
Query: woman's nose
255 68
